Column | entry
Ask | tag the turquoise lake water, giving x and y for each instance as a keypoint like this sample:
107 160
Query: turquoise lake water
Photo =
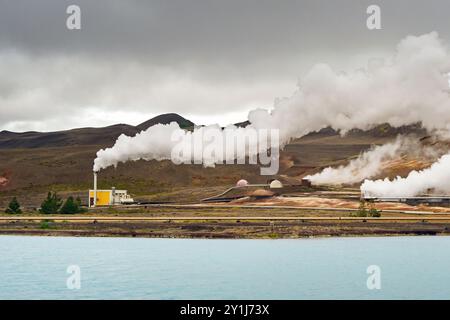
130 268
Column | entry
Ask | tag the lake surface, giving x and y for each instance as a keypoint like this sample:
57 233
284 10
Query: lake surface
130 268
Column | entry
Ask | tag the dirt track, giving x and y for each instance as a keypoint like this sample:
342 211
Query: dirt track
216 218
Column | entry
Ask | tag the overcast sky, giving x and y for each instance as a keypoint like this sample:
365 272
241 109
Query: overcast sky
210 61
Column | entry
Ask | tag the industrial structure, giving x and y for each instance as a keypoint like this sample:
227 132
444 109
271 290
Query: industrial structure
108 197
274 187
413 201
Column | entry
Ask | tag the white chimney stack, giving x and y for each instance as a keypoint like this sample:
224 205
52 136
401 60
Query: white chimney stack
95 189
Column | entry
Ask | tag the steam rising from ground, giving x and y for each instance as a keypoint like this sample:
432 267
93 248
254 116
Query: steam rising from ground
411 87
372 162
435 178
367 165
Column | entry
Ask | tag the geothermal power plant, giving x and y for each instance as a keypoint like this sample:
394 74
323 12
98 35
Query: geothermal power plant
283 191
343 102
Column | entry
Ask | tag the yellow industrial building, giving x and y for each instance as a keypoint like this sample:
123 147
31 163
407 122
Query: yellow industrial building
109 197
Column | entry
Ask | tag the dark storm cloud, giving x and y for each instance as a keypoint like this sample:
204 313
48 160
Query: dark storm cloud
194 57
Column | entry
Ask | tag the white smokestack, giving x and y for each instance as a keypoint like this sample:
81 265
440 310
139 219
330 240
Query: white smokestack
411 87
435 178
95 189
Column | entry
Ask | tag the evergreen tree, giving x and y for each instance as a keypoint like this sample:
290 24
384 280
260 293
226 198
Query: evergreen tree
80 207
51 204
13 207
71 206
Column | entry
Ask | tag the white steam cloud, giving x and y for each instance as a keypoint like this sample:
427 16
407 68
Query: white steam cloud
153 143
367 165
372 162
409 88
208 145
435 178
412 87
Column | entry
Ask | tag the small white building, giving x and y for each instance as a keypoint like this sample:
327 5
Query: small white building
242 183
276 184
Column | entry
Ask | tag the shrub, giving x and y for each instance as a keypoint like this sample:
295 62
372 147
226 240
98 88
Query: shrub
374 212
13 207
44 225
47 224
362 210
51 204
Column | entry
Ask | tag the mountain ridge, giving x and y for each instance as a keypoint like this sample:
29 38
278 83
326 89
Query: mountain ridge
83 136
106 136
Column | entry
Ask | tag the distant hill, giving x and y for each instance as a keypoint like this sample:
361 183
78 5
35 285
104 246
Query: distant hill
106 136
83 136
242 124
381 131
166 119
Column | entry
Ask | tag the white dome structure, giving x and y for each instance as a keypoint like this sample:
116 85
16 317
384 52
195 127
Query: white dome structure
276 184
242 183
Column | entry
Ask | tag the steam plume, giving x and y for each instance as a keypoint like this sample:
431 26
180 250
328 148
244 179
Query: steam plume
164 142
372 162
153 143
367 165
435 178
411 87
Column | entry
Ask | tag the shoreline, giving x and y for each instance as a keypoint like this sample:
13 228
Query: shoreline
231 228
223 222
62 235
117 236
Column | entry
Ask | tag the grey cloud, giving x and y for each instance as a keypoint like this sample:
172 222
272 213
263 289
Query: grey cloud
188 56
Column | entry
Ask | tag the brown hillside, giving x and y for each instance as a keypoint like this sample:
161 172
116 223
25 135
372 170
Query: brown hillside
33 163
83 136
